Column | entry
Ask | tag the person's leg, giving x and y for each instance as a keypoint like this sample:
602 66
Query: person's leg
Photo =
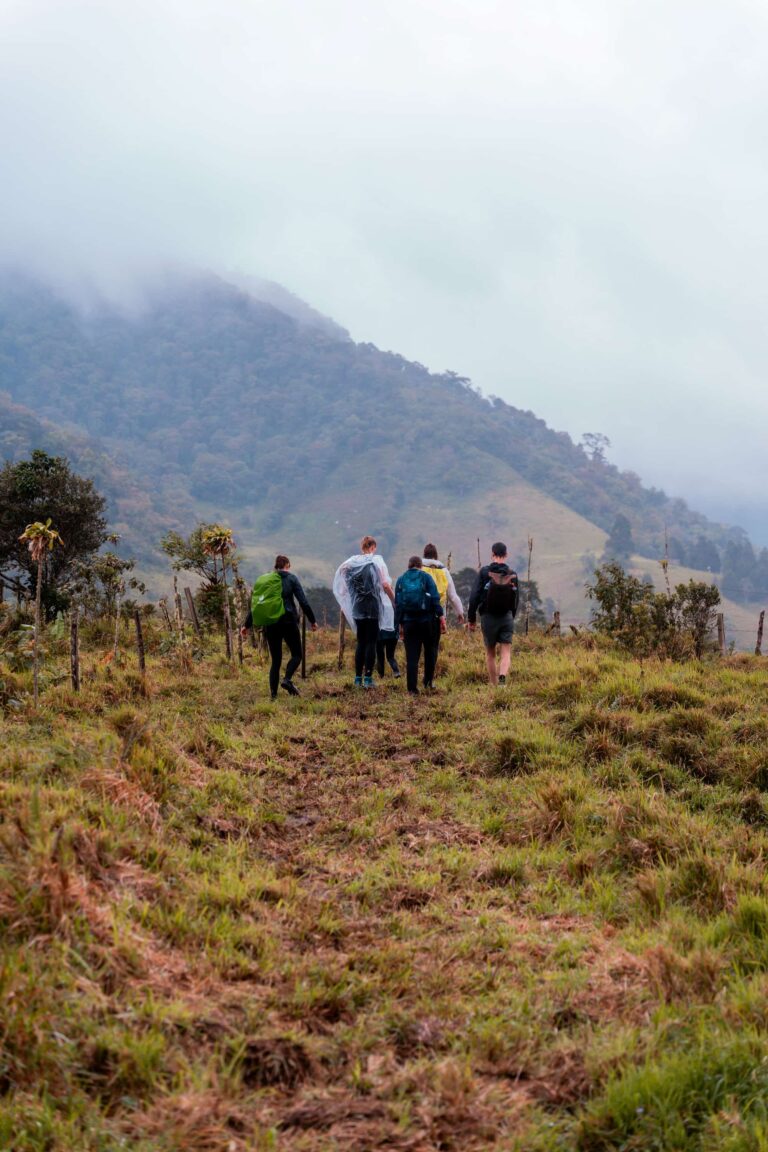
412 640
292 637
380 646
359 650
434 645
372 635
506 632
431 641
390 647
274 637
490 660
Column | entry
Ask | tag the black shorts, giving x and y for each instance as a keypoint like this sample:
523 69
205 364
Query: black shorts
497 629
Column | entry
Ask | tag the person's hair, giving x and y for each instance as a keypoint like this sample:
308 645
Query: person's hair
498 549
282 562
367 542
415 562
430 552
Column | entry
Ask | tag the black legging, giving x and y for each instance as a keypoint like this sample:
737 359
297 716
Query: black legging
386 647
285 629
365 649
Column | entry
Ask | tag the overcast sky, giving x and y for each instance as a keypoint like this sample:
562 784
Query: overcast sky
565 201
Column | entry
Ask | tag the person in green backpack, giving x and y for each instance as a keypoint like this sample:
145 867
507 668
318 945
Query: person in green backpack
273 608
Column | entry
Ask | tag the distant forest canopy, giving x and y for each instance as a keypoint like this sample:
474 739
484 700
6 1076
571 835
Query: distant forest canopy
214 398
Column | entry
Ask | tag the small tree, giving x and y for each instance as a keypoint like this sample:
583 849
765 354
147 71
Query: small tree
39 538
674 624
620 545
33 491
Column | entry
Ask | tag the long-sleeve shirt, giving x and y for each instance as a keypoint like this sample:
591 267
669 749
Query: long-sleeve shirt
292 591
451 592
482 579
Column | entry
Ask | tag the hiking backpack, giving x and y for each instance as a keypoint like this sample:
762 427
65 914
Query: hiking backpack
364 592
440 577
501 593
267 600
412 594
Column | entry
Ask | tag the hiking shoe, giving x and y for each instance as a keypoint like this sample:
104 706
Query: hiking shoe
368 682
396 673
502 681
358 681
290 687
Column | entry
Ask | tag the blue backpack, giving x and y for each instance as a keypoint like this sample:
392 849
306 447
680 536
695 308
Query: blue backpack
412 595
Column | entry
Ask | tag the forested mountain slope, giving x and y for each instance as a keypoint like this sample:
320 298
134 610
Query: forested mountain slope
214 402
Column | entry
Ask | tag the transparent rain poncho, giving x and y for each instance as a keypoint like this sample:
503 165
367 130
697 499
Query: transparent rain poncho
345 594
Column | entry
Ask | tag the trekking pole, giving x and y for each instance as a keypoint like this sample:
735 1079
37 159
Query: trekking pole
479 561
303 646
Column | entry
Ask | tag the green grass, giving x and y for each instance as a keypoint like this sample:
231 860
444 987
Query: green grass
534 918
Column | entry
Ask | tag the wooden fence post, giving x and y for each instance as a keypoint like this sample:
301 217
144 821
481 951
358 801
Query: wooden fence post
239 646
74 649
192 611
342 629
164 609
140 641
528 586
177 605
556 624
227 625
721 632
759 645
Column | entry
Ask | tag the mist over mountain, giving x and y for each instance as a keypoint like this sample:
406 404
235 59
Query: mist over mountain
240 402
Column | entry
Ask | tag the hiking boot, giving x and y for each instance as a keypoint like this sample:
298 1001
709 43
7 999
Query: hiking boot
358 681
368 682
290 687
502 681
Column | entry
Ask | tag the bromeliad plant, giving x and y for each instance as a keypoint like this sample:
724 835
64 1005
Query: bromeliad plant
219 543
39 538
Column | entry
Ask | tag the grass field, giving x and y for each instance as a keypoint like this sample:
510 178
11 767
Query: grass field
525 918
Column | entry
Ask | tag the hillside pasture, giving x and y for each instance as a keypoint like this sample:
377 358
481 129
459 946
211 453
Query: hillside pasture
530 918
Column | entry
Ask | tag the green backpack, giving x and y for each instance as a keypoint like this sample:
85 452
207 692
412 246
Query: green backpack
267 600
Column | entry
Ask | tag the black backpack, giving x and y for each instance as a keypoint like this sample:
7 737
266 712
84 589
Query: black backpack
364 592
501 591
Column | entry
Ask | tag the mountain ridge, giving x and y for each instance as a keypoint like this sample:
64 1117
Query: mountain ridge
211 403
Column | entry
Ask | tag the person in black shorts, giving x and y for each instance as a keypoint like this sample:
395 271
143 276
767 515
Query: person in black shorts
495 596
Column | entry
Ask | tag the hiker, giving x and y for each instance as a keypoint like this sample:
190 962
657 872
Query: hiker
273 608
364 591
417 604
495 596
385 647
447 590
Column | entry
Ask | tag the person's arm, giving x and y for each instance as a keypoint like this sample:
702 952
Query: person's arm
398 611
474 599
298 592
455 599
386 583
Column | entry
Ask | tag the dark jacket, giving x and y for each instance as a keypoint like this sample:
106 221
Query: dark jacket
291 588
404 617
477 599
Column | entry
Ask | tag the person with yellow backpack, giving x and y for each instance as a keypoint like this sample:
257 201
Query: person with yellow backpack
445 586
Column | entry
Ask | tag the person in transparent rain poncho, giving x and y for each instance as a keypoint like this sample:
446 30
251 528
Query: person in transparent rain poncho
364 591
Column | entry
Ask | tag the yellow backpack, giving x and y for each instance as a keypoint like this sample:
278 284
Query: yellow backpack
440 577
